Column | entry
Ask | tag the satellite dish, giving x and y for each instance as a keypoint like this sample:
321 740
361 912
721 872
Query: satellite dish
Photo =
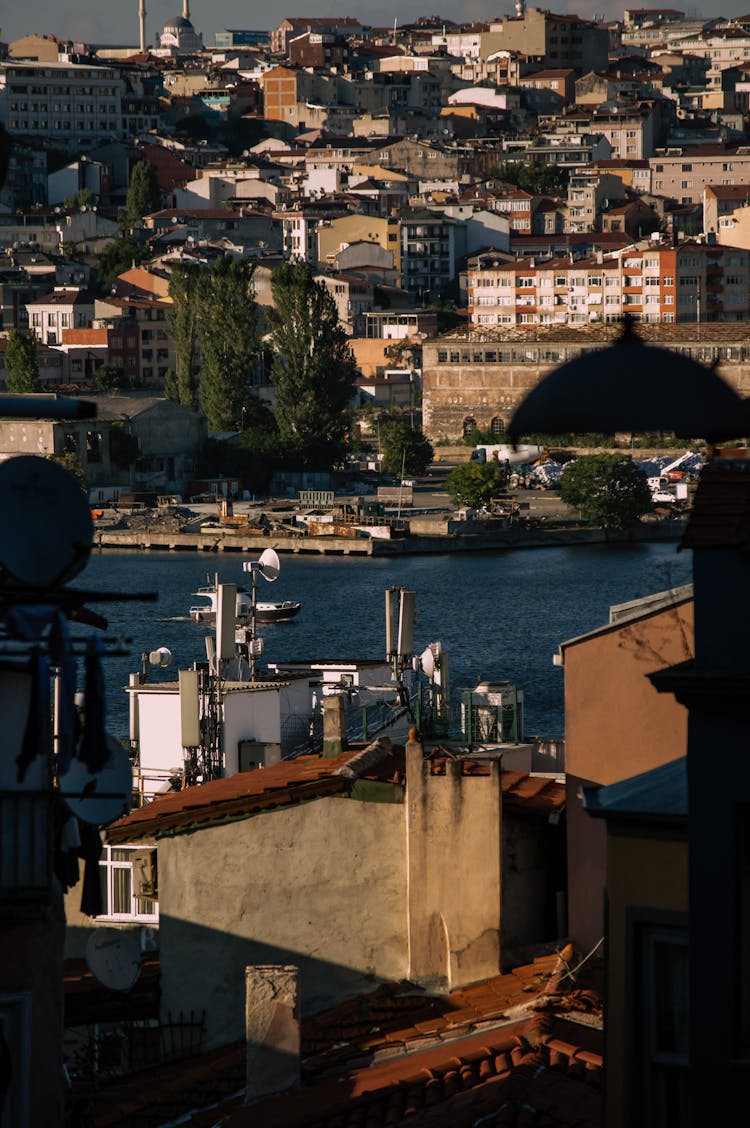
100 797
114 957
160 657
268 564
427 658
51 521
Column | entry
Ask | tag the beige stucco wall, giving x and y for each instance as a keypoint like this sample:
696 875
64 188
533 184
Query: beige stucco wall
643 874
319 885
616 726
455 865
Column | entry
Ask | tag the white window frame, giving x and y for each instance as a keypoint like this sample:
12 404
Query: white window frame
108 867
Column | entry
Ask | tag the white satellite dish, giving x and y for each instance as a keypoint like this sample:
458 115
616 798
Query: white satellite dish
48 521
113 955
160 657
268 564
100 797
427 658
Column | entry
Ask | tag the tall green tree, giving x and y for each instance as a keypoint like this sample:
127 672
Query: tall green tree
21 362
313 368
182 321
118 256
144 194
404 450
229 341
608 489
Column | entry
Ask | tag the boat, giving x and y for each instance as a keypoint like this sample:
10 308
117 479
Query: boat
265 611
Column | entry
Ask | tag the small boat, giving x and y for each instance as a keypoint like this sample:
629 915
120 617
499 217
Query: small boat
265 611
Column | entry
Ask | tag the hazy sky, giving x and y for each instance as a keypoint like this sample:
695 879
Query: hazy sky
96 22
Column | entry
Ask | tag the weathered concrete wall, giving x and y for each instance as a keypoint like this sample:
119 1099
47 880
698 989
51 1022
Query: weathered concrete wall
321 886
455 844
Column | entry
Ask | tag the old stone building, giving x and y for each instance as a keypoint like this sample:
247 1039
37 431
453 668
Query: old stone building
477 378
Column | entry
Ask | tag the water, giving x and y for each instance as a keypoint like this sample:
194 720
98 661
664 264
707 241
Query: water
498 614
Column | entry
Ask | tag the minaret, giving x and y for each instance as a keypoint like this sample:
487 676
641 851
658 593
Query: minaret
142 24
185 9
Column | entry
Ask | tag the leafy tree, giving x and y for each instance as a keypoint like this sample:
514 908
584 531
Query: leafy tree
70 460
313 368
475 483
83 198
21 362
229 341
107 377
117 257
608 489
403 449
182 321
535 176
144 194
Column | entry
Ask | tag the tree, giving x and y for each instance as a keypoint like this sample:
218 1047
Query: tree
83 198
404 451
182 321
608 489
229 341
144 194
71 461
21 362
118 256
313 368
108 376
476 483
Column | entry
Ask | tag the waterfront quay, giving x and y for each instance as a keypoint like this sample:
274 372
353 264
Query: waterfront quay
413 543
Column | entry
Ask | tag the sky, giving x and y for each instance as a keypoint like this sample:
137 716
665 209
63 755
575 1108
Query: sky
104 23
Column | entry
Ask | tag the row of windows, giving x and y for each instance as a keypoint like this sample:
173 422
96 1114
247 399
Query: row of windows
539 354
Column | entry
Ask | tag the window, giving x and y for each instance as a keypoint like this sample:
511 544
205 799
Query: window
121 876
661 1021
497 426
469 425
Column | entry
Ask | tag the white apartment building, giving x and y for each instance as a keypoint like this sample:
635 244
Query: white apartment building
66 307
70 103
662 284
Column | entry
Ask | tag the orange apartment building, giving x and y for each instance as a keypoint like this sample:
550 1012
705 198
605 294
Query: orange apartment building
656 283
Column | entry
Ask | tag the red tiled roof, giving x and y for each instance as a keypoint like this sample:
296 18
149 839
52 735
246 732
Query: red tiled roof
67 297
170 171
89 337
396 1054
307 777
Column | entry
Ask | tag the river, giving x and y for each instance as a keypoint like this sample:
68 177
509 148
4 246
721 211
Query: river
498 615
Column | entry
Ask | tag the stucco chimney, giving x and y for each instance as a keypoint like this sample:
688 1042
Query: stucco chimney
334 726
272 1029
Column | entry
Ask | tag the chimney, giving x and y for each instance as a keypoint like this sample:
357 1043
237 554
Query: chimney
334 726
272 1030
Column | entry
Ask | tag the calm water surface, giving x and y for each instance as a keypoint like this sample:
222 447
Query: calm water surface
499 615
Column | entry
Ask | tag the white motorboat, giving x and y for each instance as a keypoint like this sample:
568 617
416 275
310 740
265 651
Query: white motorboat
265 611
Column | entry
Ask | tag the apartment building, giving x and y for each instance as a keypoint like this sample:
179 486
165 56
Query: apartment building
428 252
560 40
589 191
65 307
139 342
720 203
656 283
684 173
68 103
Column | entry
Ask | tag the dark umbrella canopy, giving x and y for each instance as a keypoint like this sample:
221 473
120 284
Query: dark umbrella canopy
633 387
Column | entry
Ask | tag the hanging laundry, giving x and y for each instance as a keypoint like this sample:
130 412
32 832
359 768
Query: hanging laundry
93 749
67 720
36 737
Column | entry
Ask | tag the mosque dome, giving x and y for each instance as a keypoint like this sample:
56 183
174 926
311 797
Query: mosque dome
178 22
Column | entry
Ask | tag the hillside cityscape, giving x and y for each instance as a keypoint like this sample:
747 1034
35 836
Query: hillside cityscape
244 285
